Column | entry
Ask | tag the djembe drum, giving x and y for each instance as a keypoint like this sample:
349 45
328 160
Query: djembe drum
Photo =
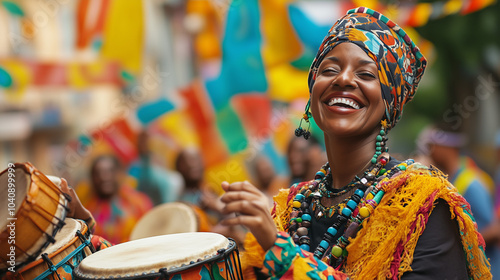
196 255
59 259
170 218
37 213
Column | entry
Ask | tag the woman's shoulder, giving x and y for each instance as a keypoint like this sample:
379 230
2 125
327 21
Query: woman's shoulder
414 167
409 174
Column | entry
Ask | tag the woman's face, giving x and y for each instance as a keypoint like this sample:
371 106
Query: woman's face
346 98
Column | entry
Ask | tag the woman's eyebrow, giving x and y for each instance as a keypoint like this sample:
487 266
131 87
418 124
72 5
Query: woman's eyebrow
333 58
362 61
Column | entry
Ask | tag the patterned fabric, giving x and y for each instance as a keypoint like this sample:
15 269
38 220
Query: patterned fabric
99 243
383 248
117 216
400 63
281 262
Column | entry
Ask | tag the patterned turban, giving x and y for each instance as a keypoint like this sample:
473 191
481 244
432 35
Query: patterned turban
400 63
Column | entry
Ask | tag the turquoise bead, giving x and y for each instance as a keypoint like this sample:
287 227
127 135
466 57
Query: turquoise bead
379 138
351 204
378 196
377 144
306 217
320 174
346 212
332 231
323 244
299 196
378 148
374 160
359 192
382 132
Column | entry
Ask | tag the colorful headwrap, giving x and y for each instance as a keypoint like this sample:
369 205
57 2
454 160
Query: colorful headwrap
400 63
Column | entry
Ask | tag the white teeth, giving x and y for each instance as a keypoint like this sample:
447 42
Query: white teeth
344 101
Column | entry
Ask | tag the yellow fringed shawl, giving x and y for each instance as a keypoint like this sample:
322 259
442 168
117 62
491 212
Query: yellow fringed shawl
385 244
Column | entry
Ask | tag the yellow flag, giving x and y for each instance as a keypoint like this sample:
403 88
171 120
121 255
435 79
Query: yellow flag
124 33
281 45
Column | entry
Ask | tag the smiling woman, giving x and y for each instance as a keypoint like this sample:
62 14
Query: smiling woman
365 215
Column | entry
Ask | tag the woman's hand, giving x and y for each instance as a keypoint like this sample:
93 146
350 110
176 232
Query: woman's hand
211 201
251 208
76 209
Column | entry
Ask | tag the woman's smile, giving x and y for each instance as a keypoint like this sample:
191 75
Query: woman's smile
342 102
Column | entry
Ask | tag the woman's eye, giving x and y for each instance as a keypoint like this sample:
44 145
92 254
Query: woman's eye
367 75
329 71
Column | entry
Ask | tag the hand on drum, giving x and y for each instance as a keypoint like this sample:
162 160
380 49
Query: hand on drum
251 208
76 209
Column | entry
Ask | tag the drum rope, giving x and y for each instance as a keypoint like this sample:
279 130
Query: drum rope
53 268
83 238
39 210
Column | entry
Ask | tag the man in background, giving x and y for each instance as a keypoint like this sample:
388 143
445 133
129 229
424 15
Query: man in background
158 183
443 146
115 206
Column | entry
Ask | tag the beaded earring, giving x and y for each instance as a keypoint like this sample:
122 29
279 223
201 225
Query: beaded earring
380 145
305 132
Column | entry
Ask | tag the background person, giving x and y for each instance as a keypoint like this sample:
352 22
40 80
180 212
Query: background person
115 206
158 183
444 147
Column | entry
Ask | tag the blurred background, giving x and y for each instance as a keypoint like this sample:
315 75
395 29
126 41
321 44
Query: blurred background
84 78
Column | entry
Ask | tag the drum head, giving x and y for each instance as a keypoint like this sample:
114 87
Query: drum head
168 218
21 181
56 180
148 255
64 236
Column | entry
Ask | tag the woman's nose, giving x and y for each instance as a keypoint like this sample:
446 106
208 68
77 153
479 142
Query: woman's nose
344 79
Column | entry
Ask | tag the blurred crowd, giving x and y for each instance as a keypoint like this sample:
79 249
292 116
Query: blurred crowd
117 205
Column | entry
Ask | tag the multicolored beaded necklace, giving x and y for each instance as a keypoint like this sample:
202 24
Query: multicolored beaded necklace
354 210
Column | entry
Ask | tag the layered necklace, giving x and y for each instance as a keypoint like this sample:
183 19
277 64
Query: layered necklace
348 214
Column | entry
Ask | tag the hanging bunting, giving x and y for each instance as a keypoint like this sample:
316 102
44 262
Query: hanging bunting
151 111
281 44
177 126
231 170
201 114
90 20
5 78
124 34
254 111
13 8
231 130
242 67
287 83
121 138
